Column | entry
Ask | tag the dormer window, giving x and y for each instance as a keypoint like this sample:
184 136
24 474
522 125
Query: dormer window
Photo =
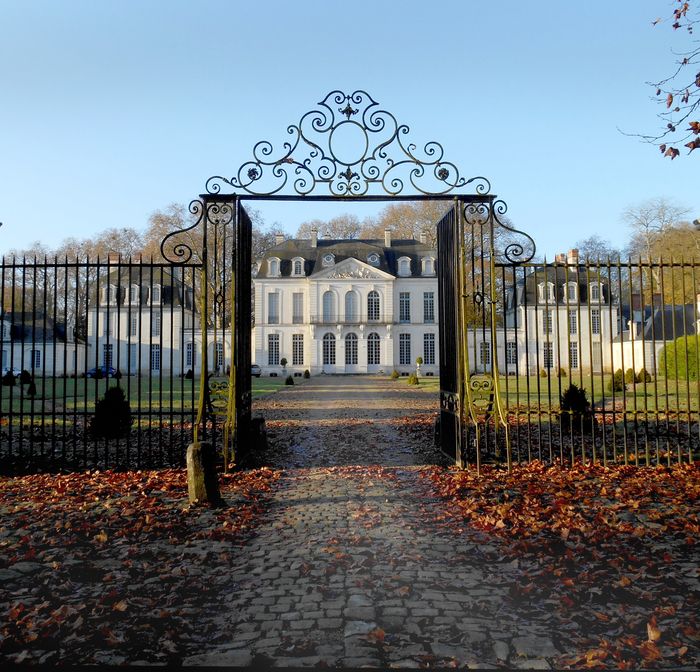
156 294
328 260
570 292
373 259
134 294
298 266
428 264
596 292
404 266
546 292
273 267
109 293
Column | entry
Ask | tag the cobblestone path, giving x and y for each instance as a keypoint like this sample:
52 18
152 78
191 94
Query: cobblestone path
350 568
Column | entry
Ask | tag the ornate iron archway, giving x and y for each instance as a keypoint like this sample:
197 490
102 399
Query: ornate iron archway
348 148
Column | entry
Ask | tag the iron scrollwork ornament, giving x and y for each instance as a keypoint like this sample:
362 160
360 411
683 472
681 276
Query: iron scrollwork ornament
351 147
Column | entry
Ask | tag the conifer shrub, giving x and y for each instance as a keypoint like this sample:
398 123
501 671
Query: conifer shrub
394 374
643 376
25 377
112 419
31 390
413 379
543 373
561 373
289 380
630 376
679 359
189 375
307 373
617 382
9 379
575 410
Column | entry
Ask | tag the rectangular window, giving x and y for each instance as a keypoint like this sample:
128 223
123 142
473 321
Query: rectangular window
273 349
547 322
595 320
404 307
511 353
189 355
4 359
297 307
133 357
547 355
155 357
429 348
297 349
155 325
106 325
573 322
485 353
219 356
273 308
107 350
597 363
35 359
134 326
428 307
405 349
573 355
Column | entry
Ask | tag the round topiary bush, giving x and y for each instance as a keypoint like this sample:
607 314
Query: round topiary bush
289 380
543 373
25 377
561 373
112 419
394 374
630 376
617 382
8 379
307 374
679 359
575 410
643 376
413 379
189 375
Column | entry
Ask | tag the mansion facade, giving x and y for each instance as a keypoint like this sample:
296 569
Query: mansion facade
346 306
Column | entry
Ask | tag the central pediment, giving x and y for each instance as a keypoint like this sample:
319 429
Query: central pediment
351 269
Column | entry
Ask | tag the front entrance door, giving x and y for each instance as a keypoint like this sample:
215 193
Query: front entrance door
351 353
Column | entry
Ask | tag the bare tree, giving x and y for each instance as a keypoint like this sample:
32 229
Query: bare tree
648 221
341 227
595 248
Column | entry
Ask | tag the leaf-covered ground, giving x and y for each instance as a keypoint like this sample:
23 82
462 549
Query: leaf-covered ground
612 551
105 567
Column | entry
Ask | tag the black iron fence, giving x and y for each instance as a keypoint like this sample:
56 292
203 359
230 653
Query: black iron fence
584 360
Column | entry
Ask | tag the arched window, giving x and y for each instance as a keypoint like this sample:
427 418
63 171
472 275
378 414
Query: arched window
273 267
155 295
298 266
571 292
373 349
596 294
134 294
428 266
546 292
329 349
328 306
404 266
351 312
350 349
373 305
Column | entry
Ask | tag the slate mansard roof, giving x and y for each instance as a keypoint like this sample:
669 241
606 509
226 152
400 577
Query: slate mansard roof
346 249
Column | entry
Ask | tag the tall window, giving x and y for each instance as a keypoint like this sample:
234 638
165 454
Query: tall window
134 325
373 305
350 349
297 307
485 353
328 306
573 355
351 313
373 349
547 322
133 357
189 355
106 325
511 353
35 359
405 349
273 349
219 355
297 349
597 361
329 349
404 307
573 322
428 348
547 355
107 350
429 307
155 325
273 308
155 357
595 320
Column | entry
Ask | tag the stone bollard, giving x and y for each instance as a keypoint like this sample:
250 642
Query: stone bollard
202 482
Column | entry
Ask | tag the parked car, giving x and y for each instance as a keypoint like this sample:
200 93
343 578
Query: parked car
107 372
255 370
15 371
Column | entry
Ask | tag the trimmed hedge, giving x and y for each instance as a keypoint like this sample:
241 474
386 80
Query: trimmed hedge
679 359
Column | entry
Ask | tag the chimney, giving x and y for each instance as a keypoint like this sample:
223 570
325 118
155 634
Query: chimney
387 237
423 238
560 258
572 257
279 238
113 258
314 237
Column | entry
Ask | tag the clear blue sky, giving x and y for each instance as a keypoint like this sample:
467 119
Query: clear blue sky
110 110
